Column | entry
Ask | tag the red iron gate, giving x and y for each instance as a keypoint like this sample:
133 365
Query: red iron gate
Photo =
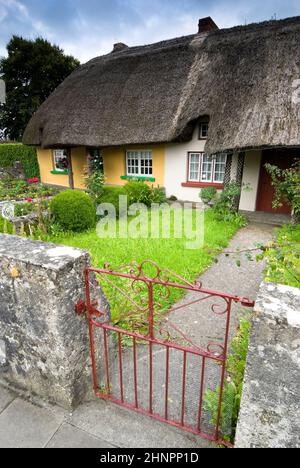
138 363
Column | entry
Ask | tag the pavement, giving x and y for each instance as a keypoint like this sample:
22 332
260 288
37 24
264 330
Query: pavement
100 424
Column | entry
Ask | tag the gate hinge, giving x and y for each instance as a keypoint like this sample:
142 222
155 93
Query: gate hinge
81 309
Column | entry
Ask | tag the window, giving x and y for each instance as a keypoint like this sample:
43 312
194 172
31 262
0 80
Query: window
60 159
194 169
139 163
203 130
204 168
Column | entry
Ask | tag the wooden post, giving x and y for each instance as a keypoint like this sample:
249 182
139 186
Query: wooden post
70 170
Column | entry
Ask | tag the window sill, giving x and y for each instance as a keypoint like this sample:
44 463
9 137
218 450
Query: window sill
139 178
203 185
60 172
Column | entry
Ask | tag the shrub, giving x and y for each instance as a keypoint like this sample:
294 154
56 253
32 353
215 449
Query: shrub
158 195
10 153
208 193
226 208
287 187
229 198
111 195
73 211
139 192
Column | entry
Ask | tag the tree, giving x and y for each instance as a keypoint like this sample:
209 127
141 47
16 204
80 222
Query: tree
32 71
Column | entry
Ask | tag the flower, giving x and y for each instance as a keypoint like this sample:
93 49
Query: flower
30 200
35 180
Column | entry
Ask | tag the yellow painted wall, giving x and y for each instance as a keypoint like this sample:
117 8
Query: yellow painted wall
79 161
46 166
115 164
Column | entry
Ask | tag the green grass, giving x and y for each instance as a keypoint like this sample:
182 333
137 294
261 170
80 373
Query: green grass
169 254
284 260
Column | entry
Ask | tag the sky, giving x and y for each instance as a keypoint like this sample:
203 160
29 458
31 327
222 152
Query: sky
89 28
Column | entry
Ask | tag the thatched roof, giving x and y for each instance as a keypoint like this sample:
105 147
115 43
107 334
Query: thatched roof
242 78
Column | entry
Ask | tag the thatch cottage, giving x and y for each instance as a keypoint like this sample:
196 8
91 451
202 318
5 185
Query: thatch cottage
187 113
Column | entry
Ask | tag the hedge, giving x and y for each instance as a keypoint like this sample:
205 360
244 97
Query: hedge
10 153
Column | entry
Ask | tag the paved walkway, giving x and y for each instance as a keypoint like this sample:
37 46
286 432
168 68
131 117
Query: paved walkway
97 424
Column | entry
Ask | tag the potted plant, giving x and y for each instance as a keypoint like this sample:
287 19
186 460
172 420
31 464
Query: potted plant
208 194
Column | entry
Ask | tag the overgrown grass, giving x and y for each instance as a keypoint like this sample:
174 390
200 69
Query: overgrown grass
233 385
169 254
284 259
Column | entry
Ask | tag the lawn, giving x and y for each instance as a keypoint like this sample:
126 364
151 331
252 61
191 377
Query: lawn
169 254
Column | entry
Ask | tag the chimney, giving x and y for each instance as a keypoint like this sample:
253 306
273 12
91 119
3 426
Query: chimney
119 46
207 25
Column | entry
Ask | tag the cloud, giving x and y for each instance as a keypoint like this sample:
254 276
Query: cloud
87 28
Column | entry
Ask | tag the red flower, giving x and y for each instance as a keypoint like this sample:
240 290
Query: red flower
35 180
30 200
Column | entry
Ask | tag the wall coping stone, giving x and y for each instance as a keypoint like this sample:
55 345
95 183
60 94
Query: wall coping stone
45 255
270 408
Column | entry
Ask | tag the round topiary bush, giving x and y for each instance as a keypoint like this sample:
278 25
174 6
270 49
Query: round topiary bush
73 211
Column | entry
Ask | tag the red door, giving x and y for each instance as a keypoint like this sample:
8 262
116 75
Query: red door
282 159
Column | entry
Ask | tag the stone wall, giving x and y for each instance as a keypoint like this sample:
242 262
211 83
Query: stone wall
44 346
270 410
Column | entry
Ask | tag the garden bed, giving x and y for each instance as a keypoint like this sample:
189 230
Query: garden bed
21 190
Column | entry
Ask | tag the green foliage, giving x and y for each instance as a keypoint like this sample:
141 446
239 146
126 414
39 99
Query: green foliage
111 195
23 209
229 198
158 195
287 186
73 211
208 193
226 207
233 385
32 71
94 184
5 226
283 257
10 153
140 192
15 189
167 253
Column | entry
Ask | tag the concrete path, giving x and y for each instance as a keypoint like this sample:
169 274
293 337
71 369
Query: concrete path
98 424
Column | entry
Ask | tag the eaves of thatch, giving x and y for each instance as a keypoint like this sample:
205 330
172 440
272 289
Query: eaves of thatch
243 78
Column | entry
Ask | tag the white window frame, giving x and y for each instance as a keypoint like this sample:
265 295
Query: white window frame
199 154
141 156
58 153
212 179
201 135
